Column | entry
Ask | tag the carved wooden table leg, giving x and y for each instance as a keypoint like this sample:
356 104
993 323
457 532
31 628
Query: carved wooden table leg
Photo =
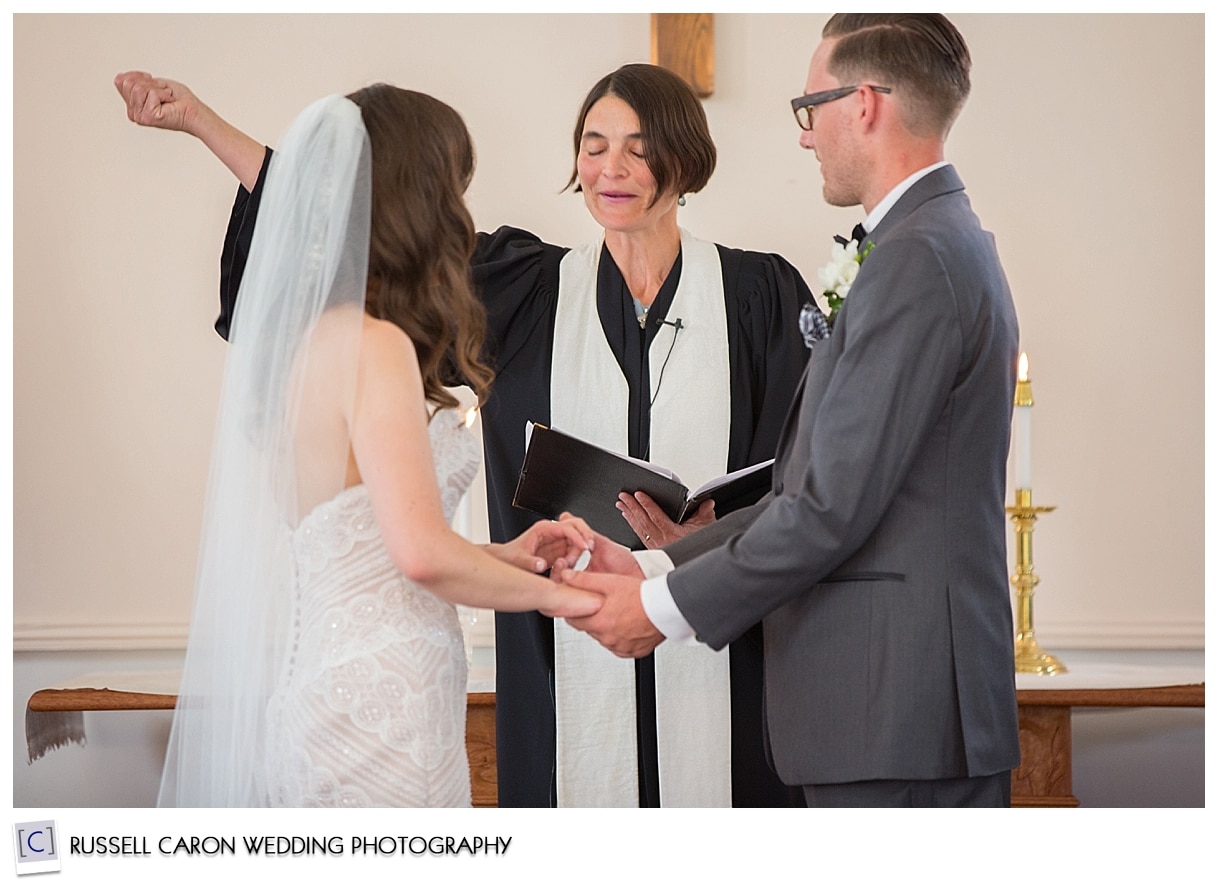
480 745
1044 775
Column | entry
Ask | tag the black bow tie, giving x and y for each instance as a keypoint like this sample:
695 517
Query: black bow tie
858 234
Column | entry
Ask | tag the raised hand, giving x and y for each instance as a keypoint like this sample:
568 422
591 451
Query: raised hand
654 527
159 103
166 104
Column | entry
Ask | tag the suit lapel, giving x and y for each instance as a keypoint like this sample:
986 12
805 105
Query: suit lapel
938 183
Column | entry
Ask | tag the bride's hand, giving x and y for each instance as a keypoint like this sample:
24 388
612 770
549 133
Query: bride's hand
545 544
566 601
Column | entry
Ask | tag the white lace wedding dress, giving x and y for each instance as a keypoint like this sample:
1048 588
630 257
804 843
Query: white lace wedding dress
370 707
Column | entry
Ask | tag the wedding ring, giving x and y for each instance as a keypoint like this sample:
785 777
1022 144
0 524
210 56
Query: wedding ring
647 538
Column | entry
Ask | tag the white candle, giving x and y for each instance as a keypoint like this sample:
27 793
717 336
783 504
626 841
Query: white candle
1023 427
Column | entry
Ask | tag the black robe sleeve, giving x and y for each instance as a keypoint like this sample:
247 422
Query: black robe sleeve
764 296
516 277
236 251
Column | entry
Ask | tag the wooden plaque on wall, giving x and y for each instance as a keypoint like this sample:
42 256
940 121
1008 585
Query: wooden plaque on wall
685 44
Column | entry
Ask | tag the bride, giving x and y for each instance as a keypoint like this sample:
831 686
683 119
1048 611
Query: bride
325 665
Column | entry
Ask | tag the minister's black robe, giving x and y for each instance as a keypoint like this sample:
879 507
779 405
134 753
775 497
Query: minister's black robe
516 276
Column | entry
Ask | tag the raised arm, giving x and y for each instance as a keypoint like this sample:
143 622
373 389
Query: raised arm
166 104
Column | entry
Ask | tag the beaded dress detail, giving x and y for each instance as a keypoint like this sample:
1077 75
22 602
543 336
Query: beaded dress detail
369 709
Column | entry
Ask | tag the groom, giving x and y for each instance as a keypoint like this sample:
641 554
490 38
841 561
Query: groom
878 562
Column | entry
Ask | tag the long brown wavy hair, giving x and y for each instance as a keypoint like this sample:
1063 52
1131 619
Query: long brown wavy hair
422 235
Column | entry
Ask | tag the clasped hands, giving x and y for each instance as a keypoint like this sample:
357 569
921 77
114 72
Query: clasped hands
620 624
611 576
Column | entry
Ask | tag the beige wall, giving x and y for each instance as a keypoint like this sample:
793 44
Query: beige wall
1085 161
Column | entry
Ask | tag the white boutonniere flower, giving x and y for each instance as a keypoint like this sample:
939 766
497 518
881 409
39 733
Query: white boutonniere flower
839 273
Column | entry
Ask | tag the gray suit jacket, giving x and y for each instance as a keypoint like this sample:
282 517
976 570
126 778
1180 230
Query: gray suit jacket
878 563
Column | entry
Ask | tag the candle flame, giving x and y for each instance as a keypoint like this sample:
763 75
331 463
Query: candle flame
1023 367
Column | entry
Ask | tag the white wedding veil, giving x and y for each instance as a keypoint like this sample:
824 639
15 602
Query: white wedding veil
308 257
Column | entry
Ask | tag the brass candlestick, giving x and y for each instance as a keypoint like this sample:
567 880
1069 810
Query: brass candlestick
1029 657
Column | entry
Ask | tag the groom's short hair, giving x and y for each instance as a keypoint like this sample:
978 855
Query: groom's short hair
921 56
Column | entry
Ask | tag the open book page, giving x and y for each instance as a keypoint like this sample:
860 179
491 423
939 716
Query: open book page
715 483
734 490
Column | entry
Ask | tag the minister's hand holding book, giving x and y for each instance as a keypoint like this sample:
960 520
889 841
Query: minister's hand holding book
564 473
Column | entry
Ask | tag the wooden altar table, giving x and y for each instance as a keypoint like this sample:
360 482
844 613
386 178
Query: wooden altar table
1045 705
66 702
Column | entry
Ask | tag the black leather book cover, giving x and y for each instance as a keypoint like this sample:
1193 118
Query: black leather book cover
564 473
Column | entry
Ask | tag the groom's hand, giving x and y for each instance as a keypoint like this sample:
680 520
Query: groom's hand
621 625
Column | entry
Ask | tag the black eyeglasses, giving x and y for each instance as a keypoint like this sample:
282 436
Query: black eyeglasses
802 106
